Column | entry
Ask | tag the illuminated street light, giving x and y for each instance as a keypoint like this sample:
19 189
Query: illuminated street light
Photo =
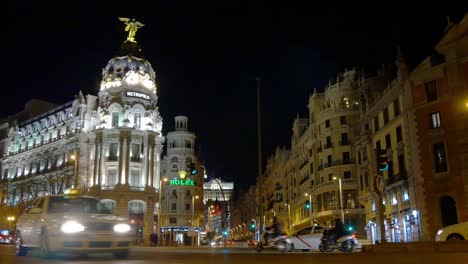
193 211
341 198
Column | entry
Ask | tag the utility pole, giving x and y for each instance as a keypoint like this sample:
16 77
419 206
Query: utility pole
259 163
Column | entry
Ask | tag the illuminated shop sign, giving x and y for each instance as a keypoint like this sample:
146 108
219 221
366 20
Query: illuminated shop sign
186 182
137 95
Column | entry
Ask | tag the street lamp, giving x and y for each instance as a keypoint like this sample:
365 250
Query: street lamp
10 219
160 207
289 216
310 208
341 198
193 211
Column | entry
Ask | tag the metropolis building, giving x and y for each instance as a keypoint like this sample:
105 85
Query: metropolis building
108 146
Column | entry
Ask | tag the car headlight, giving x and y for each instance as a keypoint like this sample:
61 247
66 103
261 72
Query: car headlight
439 232
72 227
121 228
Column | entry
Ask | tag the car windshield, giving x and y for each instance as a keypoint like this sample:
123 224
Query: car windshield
84 205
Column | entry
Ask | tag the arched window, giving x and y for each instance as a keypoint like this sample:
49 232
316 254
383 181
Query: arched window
448 211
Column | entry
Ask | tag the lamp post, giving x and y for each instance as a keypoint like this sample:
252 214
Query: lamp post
160 209
341 198
310 208
289 216
10 219
193 212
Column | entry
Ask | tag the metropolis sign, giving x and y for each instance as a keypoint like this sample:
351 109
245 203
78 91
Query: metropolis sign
186 182
137 95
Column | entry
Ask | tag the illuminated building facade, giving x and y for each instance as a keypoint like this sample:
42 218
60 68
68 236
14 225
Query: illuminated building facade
108 145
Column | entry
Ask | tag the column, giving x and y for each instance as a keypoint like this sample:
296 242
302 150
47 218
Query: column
96 158
100 163
147 164
151 151
127 158
119 171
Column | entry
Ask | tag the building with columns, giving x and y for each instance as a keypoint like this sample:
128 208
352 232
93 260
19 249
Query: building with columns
108 146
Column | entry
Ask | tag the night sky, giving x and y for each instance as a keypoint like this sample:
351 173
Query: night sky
206 56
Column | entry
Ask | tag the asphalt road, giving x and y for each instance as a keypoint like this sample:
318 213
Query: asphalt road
242 256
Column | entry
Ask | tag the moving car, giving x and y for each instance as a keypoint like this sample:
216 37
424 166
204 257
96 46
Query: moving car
309 239
453 232
74 225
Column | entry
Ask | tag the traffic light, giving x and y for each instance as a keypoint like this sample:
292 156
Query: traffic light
307 204
382 160
225 232
252 226
193 169
228 215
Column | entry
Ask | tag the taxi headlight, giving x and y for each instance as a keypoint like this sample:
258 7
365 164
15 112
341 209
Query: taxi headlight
439 232
121 228
72 227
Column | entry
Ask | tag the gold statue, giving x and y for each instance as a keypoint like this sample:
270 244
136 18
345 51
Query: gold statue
131 26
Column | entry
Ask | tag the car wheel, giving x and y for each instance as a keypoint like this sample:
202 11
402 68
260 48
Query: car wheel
121 254
348 246
20 249
281 246
455 237
44 250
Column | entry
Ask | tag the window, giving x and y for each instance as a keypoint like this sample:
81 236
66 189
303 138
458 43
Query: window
361 182
172 220
135 177
396 107
111 177
135 207
431 91
137 120
399 134
367 179
376 123
187 206
405 196
385 116
440 159
359 157
115 119
113 150
347 175
394 199
435 120
401 166
388 141
329 160
344 139
343 120
135 152
378 146
374 207
330 177
346 157
329 143
173 206
327 123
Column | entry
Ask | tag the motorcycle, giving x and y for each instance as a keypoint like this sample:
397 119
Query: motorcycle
281 243
344 243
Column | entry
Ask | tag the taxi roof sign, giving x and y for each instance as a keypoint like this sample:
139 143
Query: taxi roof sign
70 193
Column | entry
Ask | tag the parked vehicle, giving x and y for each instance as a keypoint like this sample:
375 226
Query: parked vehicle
72 224
453 232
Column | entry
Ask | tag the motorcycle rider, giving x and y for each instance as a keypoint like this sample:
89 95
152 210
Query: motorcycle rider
276 227
338 231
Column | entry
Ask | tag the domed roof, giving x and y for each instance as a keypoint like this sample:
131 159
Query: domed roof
129 68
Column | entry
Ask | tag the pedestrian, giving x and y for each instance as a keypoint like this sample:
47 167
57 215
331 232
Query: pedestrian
155 240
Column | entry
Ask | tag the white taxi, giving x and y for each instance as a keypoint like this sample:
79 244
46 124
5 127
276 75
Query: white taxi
453 232
74 225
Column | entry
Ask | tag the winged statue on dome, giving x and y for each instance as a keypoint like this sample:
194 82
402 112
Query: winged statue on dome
131 26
